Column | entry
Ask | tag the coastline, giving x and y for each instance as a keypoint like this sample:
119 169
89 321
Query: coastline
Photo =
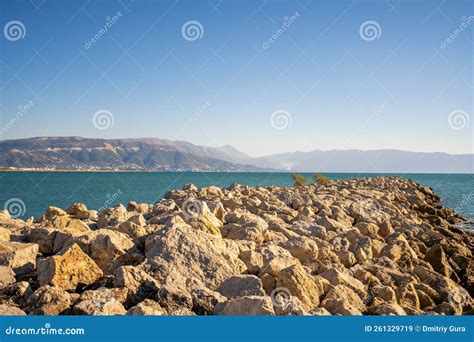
371 246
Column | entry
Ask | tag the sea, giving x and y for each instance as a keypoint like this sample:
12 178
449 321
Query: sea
27 194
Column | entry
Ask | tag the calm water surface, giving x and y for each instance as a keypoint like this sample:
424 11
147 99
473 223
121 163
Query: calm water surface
37 190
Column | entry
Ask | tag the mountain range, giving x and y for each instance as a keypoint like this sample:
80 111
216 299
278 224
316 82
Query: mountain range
153 154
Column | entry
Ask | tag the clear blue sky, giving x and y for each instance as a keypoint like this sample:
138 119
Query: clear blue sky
341 91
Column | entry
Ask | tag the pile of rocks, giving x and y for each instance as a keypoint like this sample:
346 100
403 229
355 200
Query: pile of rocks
376 246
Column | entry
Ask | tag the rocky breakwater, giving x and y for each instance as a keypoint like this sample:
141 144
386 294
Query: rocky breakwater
375 246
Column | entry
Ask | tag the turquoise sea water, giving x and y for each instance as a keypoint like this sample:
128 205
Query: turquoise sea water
37 190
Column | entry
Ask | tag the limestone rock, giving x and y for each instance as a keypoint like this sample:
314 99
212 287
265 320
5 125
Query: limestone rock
10 310
21 257
7 277
241 286
49 300
301 285
67 270
146 308
246 306
341 300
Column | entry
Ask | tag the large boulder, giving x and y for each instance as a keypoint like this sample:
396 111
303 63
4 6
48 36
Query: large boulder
21 257
193 254
49 300
302 248
7 277
246 306
10 310
109 249
341 300
67 270
146 308
140 285
299 283
240 286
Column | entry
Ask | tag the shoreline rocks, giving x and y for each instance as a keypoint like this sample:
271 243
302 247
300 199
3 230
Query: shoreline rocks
369 246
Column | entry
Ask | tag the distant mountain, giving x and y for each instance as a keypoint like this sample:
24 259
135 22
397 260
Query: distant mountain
76 153
153 154
374 161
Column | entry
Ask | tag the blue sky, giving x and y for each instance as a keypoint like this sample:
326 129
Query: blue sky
334 86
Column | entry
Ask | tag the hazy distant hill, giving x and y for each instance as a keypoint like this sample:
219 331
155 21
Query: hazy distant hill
76 153
377 161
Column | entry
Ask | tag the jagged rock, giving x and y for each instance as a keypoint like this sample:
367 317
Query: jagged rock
341 300
109 249
104 295
300 284
388 309
437 258
253 260
92 307
246 306
76 208
67 270
146 308
204 300
302 248
193 254
10 310
49 300
139 284
173 298
4 234
241 286
7 277
336 277
21 257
